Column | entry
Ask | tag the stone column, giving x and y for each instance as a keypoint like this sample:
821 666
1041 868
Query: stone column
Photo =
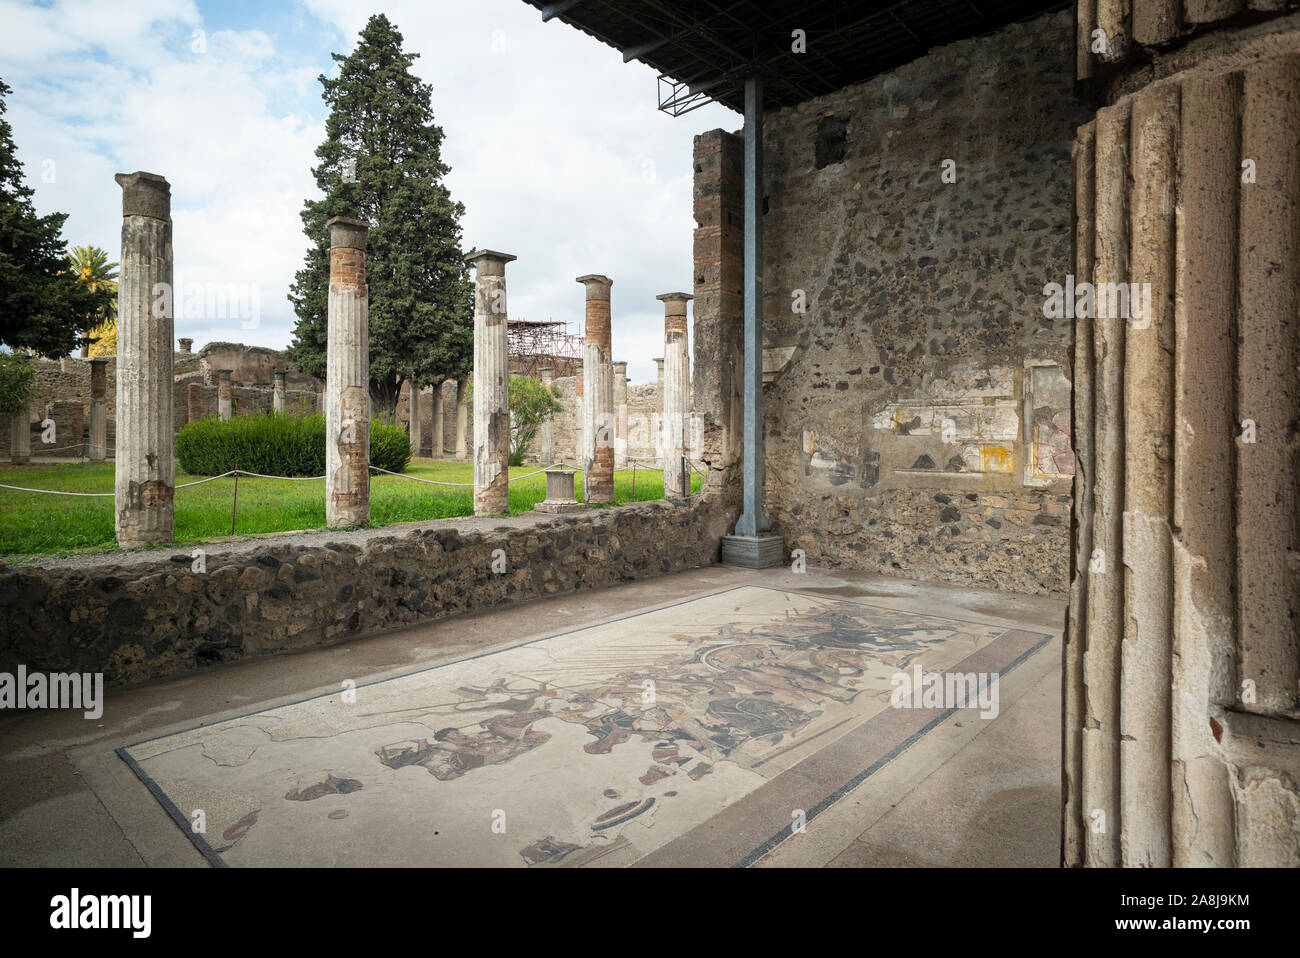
347 378
185 344
438 431
224 404
462 415
20 436
98 409
414 414
194 402
277 396
546 435
491 384
598 404
659 406
145 476
676 370
579 443
620 415
1181 738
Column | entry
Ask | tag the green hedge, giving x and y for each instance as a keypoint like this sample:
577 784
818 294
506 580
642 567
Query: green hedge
276 444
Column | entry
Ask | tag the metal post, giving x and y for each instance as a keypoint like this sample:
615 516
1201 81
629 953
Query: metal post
752 520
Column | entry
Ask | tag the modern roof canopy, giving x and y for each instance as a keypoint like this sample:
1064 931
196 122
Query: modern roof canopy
704 49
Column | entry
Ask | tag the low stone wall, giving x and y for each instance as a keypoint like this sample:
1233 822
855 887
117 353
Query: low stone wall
138 616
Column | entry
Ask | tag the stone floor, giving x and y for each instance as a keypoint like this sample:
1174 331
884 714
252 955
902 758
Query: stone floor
719 717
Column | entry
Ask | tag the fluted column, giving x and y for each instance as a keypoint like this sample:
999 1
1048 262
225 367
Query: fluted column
546 435
98 410
347 380
1182 654
145 473
658 424
415 427
20 435
491 384
677 384
598 404
224 403
620 415
462 419
435 403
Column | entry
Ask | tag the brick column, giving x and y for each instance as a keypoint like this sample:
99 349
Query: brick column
98 409
462 415
277 385
620 415
438 430
145 475
347 378
676 370
194 402
598 404
491 384
224 404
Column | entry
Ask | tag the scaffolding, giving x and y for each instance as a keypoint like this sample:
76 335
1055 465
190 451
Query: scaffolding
534 345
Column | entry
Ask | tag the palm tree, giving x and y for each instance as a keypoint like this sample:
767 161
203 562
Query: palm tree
92 267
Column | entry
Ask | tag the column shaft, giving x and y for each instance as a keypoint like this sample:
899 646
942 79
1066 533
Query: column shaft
676 395
145 473
98 450
347 380
491 385
598 403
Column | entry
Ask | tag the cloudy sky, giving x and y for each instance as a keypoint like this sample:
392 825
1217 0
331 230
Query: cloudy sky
556 147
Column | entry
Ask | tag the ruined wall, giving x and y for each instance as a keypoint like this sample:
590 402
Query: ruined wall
63 393
145 615
918 411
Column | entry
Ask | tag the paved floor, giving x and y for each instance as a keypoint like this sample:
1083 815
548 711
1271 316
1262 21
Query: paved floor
717 717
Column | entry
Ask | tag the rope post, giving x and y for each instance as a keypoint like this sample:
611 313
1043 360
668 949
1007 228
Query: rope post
234 503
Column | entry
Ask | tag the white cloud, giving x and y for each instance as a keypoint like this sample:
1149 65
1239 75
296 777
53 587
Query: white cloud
556 146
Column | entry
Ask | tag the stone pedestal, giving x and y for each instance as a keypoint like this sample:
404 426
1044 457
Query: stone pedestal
146 474
559 493
347 379
598 403
98 448
225 405
753 552
676 370
491 384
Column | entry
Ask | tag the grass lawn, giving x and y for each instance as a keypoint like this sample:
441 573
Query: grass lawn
36 524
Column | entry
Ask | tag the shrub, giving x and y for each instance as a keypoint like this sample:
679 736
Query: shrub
16 386
276 445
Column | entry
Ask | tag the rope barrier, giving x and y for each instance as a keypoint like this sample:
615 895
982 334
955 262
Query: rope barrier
259 475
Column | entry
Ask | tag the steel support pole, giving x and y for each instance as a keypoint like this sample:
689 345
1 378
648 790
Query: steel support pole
753 522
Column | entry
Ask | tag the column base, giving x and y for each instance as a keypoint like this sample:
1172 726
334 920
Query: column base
559 506
753 552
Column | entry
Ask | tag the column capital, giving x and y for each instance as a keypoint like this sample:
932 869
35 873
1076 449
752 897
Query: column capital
597 285
622 365
347 232
96 361
674 299
223 373
489 262
145 194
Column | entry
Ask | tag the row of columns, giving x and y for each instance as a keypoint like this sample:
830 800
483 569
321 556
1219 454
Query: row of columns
415 428
601 425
